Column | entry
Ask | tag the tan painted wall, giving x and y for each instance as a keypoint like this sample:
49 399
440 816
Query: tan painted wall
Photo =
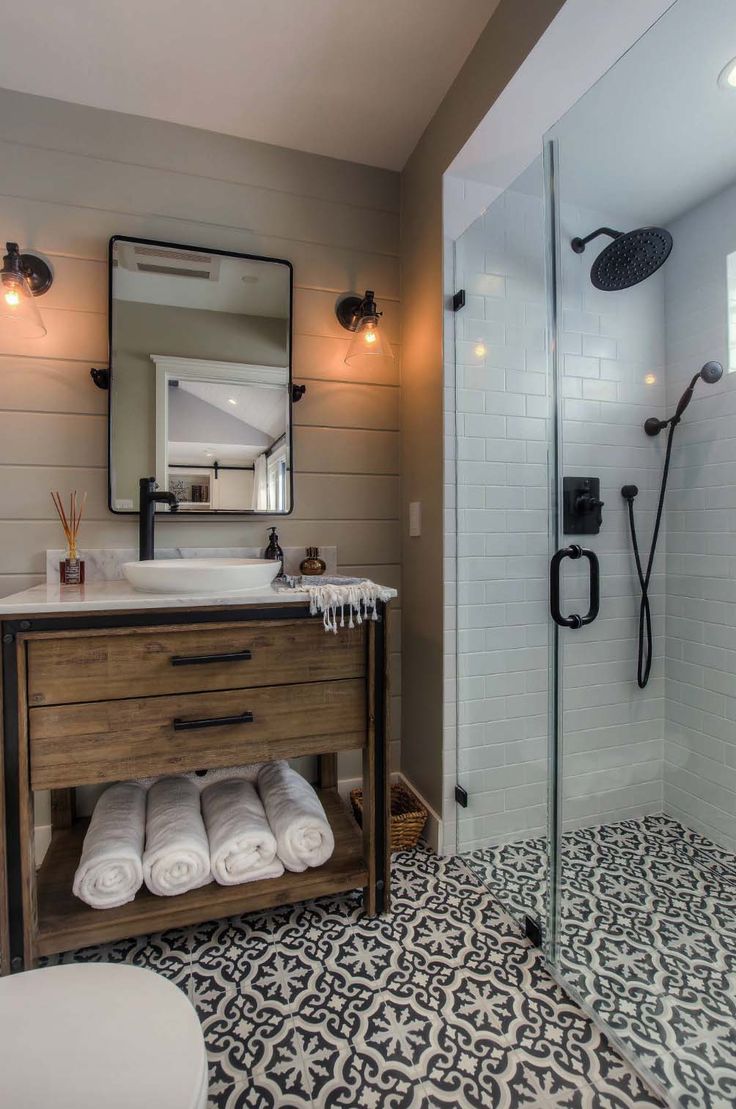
70 177
511 32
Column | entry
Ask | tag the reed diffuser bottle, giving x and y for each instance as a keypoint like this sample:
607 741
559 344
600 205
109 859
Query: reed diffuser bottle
71 568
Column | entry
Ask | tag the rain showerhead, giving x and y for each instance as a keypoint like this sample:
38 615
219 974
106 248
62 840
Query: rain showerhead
710 373
630 258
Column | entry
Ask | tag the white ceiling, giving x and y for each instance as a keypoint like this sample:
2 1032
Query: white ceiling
656 135
260 406
241 285
352 81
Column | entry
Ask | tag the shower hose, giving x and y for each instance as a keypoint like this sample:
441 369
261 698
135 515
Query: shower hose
646 640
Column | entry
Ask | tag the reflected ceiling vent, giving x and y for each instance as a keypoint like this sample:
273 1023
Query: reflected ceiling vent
139 258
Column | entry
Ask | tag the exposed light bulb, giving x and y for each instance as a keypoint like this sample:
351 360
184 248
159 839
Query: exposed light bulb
650 379
369 340
12 297
480 350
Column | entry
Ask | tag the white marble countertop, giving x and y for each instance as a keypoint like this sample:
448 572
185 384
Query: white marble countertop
108 596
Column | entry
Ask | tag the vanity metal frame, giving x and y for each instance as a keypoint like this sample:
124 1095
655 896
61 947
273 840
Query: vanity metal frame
11 628
291 387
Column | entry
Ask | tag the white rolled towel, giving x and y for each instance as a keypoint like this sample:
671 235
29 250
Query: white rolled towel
177 855
242 845
303 834
249 772
110 871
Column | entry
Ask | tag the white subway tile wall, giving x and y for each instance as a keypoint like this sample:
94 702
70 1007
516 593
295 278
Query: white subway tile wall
700 727
499 429
612 378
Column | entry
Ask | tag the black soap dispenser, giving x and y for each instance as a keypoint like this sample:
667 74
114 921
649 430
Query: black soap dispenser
273 550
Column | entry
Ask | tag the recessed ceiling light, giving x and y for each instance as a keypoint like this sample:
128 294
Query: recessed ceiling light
231 400
727 76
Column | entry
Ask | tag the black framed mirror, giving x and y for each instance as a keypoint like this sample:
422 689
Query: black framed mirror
200 382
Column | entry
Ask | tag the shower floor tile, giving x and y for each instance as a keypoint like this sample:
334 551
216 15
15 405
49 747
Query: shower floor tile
440 1003
648 940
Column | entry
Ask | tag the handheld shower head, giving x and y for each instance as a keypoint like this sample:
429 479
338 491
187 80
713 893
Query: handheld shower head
711 372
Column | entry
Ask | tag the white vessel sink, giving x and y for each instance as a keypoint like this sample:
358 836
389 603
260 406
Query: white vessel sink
201 575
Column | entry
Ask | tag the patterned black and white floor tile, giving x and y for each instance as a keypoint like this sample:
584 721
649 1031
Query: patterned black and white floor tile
648 939
440 1003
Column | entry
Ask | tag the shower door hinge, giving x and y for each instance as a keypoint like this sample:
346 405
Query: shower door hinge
461 796
533 930
458 301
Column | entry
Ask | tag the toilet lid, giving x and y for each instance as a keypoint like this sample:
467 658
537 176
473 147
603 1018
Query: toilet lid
88 1035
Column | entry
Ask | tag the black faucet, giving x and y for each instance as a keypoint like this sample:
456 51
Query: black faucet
149 498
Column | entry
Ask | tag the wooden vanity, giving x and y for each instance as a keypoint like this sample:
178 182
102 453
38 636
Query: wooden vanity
99 696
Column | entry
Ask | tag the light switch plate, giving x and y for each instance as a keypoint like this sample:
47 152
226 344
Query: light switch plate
415 518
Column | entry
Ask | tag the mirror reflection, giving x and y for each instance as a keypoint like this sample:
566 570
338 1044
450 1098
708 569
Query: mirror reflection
200 391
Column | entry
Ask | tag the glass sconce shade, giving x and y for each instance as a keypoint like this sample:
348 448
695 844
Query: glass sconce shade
368 339
22 278
360 316
19 315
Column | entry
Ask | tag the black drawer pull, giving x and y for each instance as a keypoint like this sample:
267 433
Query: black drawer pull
212 722
195 660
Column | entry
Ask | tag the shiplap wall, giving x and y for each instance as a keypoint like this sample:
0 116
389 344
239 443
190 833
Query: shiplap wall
70 177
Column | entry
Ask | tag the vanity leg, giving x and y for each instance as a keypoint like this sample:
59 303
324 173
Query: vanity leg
63 808
376 782
21 875
328 771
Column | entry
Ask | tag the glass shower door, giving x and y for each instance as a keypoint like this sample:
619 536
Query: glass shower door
505 483
644 855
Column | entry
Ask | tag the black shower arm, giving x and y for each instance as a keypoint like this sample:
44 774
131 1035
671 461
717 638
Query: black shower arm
579 245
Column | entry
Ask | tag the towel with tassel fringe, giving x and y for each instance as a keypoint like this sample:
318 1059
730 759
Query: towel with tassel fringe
330 596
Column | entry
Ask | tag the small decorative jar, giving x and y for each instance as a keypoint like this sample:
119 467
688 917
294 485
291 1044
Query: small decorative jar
313 565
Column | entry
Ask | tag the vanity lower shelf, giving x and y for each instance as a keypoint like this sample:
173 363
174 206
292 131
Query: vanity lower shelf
65 923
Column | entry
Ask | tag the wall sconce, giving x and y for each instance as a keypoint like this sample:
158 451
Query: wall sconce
361 316
23 277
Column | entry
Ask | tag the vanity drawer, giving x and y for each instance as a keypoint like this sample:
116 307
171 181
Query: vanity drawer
135 738
70 669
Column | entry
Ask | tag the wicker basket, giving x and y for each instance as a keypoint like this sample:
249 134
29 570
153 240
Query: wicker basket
408 816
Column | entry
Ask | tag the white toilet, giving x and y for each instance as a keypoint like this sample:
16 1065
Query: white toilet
99 1036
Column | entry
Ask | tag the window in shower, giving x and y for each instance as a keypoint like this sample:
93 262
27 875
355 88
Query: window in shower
731 288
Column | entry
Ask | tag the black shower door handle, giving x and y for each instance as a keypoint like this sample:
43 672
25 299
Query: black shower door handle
574 552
